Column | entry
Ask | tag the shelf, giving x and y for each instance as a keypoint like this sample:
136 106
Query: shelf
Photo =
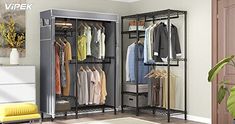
61 97
166 64
136 37
161 13
133 93
129 32
133 34
165 109
90 106
157 109
155 64
92 63
178 59
59 29
106 60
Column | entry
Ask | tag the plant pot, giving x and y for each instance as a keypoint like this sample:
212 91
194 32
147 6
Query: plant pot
14 56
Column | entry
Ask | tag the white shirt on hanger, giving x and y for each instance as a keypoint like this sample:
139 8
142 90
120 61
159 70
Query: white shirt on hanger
97 92
150 42
99 42
88 34
102 45
146 44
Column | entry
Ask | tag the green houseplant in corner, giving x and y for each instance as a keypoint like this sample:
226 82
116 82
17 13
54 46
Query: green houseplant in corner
223 87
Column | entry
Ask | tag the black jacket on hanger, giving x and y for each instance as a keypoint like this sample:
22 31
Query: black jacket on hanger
160 41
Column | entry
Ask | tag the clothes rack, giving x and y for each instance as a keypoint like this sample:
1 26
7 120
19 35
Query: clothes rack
48 33
152 17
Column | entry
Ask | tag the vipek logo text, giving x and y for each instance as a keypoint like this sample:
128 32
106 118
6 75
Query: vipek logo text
18 6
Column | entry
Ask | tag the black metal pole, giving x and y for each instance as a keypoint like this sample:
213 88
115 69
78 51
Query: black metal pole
136 68
122 110
76 70
115 68
154 108
103 68
168 67
185 65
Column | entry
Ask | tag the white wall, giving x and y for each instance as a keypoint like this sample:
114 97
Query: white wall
33 24
199 48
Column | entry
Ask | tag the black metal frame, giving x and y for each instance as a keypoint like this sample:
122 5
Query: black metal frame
106 60
153 16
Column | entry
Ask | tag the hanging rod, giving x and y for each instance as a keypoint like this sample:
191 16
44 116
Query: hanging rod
155 64
105 61
108 62
93 62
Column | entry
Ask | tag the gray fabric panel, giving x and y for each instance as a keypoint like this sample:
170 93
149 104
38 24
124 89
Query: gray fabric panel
46 77
110 38
110 68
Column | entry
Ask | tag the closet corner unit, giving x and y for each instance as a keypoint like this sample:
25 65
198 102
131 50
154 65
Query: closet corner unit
66 25
163 51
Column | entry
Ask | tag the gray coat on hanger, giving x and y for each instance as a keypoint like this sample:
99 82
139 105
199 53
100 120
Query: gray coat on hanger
160 41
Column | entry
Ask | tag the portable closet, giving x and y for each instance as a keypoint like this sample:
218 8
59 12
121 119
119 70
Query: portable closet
48 33
134 101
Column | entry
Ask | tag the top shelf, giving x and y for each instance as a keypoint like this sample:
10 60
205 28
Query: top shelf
156 14
134 31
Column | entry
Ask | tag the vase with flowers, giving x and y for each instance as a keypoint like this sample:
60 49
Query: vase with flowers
14 40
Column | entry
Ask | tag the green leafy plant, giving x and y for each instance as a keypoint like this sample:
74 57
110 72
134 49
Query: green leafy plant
9 34
223 88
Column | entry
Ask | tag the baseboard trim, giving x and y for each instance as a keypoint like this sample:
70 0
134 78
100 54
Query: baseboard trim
194 118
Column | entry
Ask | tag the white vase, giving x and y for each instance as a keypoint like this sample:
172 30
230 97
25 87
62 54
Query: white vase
14 56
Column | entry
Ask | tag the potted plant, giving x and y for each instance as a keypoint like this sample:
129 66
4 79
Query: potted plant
223 87
13 39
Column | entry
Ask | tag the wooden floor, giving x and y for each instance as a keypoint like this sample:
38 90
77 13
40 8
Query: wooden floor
109 115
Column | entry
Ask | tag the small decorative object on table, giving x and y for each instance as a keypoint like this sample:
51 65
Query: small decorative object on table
14 40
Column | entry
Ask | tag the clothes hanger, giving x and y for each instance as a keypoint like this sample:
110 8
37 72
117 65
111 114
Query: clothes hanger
58 44
98 26
155 74
99 68
136 42
61 41
93 68
81 28
65 40
95 25
140 42
101 25
87 25
57 38
87 67
154 24
84 24
165 74
81 68
151 72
